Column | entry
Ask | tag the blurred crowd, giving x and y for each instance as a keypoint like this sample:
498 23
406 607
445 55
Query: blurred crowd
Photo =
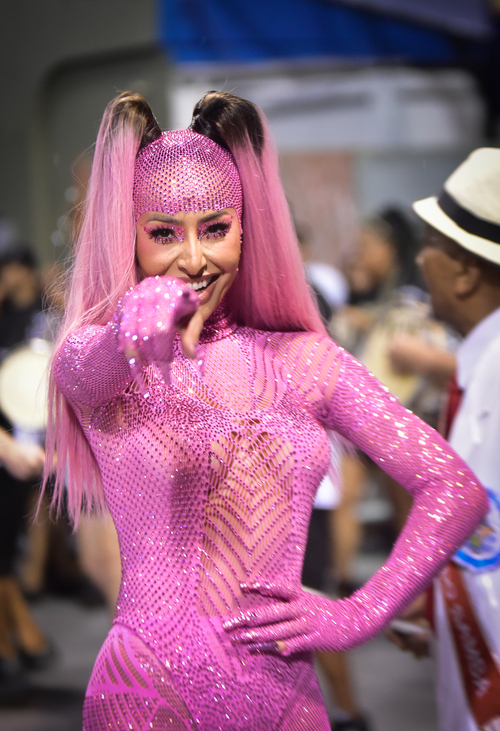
38 552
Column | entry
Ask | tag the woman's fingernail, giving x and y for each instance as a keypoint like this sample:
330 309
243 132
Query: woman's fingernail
199 356
264 647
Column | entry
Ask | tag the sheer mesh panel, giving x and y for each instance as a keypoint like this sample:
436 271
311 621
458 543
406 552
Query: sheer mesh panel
129 689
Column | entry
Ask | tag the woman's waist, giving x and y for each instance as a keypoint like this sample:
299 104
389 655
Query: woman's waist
161 596
196 646
202 669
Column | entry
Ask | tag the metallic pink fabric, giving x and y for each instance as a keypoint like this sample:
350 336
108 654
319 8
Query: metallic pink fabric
185 171
210 481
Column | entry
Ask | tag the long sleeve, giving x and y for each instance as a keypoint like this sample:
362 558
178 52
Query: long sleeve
448 499
91 368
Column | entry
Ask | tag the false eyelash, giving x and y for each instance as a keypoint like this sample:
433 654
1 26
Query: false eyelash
165 234
215 230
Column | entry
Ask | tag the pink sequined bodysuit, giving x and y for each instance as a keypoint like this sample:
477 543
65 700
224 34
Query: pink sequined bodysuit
210 482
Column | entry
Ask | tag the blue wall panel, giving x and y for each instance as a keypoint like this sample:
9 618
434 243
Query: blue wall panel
258 30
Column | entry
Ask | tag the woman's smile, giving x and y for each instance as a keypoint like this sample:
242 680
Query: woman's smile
201 285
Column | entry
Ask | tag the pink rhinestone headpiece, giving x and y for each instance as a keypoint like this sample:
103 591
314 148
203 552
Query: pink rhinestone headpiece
185 171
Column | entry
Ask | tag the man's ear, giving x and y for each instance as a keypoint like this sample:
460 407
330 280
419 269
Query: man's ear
468 276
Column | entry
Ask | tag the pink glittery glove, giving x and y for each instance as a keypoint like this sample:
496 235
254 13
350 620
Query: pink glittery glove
448 504
147 319
296 621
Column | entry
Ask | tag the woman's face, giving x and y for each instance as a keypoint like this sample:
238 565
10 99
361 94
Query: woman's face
374 262
201 248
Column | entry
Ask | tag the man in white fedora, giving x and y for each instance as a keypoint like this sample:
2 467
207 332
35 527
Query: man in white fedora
460 261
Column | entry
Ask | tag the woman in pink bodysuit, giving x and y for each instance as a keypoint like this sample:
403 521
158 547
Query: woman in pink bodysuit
208 454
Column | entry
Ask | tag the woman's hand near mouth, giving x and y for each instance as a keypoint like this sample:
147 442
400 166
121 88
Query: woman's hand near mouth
147 319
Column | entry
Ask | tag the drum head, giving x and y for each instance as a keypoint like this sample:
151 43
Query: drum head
375 358
410 320
23 386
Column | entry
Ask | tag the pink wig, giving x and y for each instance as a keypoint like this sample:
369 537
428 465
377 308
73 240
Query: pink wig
103 268
270 291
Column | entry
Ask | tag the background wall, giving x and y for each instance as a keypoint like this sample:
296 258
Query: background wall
61 62
380 134
351 140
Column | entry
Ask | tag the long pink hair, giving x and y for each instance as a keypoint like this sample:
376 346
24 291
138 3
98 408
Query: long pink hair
270 291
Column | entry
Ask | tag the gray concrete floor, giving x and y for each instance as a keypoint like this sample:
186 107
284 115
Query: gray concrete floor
394 690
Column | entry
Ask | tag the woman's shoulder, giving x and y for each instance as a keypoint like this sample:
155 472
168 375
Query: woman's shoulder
82 343
81 336
89 366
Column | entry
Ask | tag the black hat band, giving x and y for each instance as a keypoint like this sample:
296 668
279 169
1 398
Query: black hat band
467 220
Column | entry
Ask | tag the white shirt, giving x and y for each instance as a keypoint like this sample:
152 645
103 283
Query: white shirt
475 433
474 345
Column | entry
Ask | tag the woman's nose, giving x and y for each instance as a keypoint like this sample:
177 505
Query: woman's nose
192 257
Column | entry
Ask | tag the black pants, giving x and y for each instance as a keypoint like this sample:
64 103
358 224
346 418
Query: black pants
13 512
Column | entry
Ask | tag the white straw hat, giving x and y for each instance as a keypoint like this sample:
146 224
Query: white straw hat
468 210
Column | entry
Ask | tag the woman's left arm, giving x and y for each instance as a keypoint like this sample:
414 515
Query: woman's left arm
448 502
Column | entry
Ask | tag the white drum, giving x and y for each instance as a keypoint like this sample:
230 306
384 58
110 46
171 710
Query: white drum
24 385
411 320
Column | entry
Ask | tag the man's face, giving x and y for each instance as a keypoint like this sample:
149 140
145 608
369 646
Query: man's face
439 265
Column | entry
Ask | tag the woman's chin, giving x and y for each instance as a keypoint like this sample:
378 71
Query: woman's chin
206 308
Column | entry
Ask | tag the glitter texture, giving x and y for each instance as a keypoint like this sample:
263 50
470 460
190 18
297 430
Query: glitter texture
210 482
145 323
185 171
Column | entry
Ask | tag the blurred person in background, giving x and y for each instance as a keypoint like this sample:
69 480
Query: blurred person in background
45 558
460 262
22 643
330 286
51 560
388 315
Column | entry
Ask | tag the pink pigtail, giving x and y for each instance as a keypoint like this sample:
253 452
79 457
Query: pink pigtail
271 292
103 268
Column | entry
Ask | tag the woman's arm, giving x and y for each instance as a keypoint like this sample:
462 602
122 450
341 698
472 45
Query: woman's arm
448 504
95 363
90 368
